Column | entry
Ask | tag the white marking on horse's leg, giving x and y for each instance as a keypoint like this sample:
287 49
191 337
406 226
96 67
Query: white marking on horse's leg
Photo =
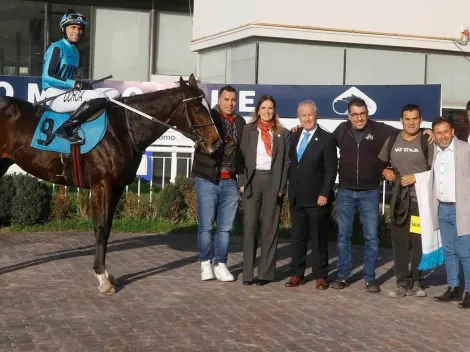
105 286
111 278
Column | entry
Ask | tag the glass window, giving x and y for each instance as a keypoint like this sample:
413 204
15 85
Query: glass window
55 34
21 37
372 66
173 56
121 45
212 66
451 72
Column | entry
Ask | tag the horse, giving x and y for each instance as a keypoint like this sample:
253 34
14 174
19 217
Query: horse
113 163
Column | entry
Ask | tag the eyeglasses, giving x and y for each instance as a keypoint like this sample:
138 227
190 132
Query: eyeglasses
357 115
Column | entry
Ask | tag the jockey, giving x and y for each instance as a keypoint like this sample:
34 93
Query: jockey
61 63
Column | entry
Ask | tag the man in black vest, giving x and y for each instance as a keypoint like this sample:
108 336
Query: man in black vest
216 187
312 175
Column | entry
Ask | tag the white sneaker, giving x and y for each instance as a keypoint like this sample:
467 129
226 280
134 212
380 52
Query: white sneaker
221 273
206 271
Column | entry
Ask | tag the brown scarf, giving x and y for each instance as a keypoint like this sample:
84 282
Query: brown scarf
265 127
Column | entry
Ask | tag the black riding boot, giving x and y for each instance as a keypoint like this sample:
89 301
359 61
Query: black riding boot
69 129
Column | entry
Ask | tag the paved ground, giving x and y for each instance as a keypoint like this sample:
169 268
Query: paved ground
49 302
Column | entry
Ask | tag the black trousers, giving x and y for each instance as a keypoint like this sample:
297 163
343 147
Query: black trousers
310 223
401 238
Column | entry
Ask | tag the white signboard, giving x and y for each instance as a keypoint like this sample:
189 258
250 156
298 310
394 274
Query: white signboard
173 138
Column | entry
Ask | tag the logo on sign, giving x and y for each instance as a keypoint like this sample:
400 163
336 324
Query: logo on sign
340 104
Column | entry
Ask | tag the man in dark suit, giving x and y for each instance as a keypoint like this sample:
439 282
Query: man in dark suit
312 176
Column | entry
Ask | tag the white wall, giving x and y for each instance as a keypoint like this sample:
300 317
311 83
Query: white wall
432 18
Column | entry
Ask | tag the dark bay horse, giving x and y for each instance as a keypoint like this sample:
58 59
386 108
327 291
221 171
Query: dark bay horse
113 163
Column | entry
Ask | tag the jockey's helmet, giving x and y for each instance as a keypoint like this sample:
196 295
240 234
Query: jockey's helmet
73 17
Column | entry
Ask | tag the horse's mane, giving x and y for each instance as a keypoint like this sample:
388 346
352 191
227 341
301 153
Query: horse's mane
139 98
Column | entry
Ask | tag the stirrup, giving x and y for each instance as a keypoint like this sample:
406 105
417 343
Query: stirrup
72 139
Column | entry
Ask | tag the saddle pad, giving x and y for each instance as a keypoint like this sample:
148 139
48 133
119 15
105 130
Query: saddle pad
91 132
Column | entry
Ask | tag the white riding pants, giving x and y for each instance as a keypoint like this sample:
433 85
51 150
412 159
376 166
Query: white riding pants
71 101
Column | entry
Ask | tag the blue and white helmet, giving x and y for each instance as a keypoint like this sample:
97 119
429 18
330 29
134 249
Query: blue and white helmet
73 17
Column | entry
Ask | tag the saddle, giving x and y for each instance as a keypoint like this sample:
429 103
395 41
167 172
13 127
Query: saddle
91 131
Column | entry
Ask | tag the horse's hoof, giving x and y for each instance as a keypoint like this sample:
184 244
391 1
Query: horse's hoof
105 286
111 278
107 289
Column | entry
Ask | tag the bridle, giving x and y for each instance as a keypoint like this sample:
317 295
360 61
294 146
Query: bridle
192 128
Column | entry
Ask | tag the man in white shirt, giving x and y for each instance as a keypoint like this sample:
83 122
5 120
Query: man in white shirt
450 192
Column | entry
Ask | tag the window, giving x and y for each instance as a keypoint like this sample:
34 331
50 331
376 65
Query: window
21 38
121 45
173 56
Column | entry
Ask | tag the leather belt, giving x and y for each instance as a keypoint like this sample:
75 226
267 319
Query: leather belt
448 203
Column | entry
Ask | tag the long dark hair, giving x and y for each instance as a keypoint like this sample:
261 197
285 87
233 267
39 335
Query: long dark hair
277 124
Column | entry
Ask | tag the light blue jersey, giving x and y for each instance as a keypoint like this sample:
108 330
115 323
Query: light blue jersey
60 65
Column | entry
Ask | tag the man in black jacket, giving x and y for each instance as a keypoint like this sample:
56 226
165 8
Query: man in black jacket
312 175
360 141
216 187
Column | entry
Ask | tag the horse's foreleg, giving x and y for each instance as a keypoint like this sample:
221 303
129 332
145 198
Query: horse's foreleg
104 200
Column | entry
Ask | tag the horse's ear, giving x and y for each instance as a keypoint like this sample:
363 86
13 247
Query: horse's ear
182 82
192 81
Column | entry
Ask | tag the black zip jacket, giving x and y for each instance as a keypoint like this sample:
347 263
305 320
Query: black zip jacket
359 167
208 166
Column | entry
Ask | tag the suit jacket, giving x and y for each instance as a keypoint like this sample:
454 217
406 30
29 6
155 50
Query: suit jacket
280 158
315 173
462 188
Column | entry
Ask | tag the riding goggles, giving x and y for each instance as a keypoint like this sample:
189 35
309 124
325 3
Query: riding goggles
74 18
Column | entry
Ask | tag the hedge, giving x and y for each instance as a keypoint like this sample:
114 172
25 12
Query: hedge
7 192
31 203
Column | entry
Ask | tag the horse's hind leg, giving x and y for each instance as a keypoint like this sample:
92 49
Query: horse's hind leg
5 163
105 198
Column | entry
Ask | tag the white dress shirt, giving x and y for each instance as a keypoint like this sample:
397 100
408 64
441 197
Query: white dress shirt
263 160
312 132
444 173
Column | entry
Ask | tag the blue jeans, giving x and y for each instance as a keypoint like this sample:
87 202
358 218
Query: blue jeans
455 247
215 202
347 201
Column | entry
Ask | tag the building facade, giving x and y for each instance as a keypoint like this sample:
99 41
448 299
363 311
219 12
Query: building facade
265 42
139 40
325 42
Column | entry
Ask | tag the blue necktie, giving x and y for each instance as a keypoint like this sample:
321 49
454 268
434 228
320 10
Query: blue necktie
303 145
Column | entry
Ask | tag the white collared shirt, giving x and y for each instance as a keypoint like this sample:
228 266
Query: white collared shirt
263 160
444 173
312 132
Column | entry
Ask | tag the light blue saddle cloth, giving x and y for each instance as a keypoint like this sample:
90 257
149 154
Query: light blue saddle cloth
91 132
